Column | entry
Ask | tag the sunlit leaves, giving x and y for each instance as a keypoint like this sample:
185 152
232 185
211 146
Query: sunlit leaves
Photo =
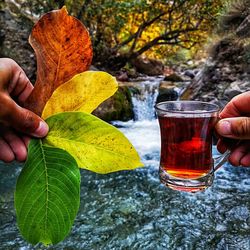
47 190
63 49
96 145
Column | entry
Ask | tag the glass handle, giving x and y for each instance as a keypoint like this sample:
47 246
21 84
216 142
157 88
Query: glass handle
220 160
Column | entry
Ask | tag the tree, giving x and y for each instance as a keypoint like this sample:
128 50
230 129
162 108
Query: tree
122 30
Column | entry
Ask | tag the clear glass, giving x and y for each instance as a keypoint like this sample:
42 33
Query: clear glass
186 162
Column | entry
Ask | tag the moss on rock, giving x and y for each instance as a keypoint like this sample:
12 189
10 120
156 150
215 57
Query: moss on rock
117 107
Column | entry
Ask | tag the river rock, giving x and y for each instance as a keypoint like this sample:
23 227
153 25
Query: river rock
173 78
167 95
167 91
117 107
148 66
190 73
166 85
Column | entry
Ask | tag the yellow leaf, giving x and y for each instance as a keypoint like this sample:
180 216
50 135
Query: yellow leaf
84 92
96 145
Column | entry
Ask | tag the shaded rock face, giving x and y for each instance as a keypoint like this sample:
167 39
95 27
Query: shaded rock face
167 92
173 78
14 34
149 67
117 107
224 75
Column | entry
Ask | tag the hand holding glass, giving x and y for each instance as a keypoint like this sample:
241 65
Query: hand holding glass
186 127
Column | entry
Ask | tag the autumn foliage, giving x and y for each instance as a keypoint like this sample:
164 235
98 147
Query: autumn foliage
125 29
63 49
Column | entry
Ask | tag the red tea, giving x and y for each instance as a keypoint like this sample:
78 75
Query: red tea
186 146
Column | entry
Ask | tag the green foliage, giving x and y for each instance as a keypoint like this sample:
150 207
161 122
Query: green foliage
182 55
129 28
47 194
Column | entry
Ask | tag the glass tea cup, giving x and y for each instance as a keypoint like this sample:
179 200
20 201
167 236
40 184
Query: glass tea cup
186 162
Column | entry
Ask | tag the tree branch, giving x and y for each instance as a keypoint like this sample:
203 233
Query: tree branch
167 38
138 33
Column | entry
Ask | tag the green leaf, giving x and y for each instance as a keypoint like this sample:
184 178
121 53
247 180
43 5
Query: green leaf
95 144
47 195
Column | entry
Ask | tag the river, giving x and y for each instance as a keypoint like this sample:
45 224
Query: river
132 210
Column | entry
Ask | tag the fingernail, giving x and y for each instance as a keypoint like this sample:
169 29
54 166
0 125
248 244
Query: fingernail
225 127
42 129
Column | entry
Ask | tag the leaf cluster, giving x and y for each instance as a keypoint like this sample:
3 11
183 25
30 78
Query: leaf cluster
47 193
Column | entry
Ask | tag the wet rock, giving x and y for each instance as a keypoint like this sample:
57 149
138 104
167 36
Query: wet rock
173 78
190 73
167 95
117 107
166 85
122 76
167 92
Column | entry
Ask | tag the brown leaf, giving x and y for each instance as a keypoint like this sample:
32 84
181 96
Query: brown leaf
63 49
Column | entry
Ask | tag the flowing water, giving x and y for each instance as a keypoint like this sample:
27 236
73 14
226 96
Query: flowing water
132 210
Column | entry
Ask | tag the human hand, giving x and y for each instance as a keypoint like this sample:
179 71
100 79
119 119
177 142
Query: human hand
17 124
235 125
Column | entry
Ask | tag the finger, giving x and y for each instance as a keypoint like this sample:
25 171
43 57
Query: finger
239 153
16 143
14 80
26 140
18 82
6 153
221 146
23 96
21 119
238 106
20 86
245 161
227 144
235 128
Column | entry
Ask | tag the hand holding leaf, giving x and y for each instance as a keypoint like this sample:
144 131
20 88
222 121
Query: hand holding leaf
47 191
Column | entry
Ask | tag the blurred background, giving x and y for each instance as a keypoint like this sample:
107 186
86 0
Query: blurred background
158 50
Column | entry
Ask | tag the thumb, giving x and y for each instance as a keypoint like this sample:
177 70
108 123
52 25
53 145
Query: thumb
235 128
24 120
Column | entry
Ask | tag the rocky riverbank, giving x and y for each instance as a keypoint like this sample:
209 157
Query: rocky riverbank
224 75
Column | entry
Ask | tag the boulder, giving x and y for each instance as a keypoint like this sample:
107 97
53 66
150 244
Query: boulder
173 78
118 107
147 66
167 92
166 85
190 73
167 95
